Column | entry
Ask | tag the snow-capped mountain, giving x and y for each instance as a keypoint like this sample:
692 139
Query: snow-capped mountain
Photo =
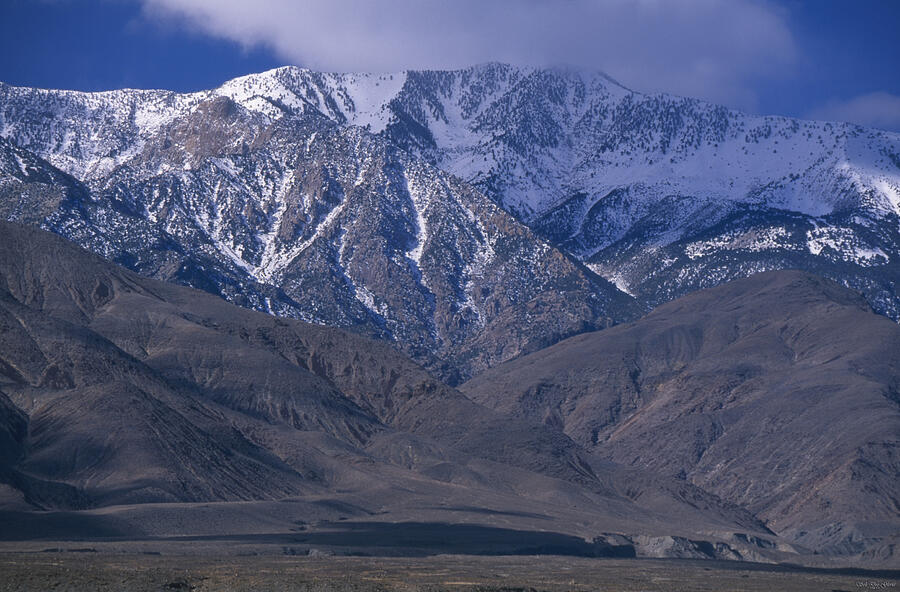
300 216
660 194
370 200
470 217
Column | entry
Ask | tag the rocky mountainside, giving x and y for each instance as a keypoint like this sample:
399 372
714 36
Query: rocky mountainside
779 392
661 194
126 403
271 188
467 218
302 217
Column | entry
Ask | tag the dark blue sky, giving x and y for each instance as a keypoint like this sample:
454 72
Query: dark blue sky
826 58
102 45
848 48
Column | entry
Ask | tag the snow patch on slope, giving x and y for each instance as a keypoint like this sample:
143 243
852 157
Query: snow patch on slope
365 97
421 203
272 260
754 241
617 278
843 244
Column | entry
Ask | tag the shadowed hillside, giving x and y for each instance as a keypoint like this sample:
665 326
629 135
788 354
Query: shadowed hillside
128 404
778 392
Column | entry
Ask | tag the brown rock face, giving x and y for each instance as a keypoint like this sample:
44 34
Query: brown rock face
118 390
778 392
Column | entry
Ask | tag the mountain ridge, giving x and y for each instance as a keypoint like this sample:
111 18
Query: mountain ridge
130 404
328 230
592 167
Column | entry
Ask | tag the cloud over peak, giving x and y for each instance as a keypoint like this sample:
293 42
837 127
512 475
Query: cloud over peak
713 49
878 109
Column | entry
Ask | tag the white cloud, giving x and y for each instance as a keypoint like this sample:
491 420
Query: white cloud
714 49
878 109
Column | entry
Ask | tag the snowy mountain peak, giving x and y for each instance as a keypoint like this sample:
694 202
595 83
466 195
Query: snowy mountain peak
268 176
278 192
